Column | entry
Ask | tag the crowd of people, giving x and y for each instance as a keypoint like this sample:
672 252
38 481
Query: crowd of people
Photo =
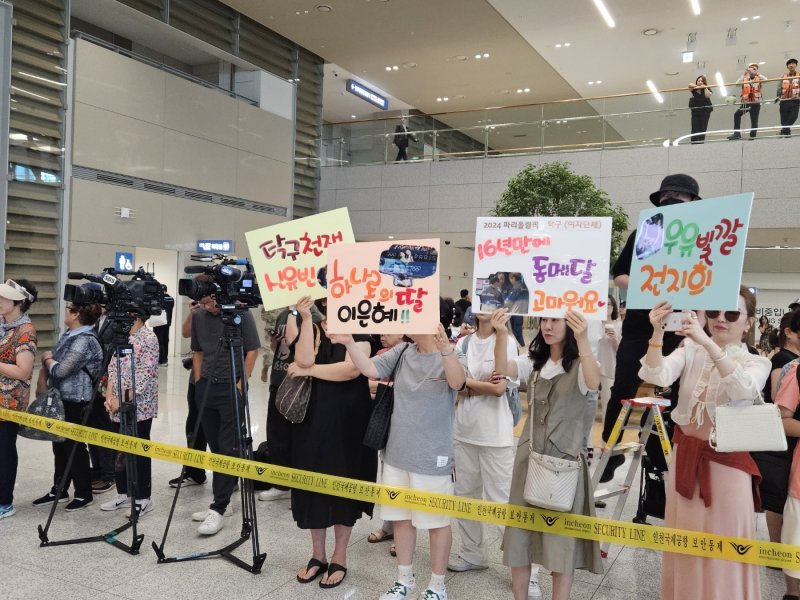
452 428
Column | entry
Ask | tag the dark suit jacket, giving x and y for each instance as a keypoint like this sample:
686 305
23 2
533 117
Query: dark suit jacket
401 136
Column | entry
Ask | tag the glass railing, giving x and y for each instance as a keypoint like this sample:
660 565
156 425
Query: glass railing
622 121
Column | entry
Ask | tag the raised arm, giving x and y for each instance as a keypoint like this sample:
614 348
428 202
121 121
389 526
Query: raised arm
341 371
502 364
358 354
591 368
454 371
304 350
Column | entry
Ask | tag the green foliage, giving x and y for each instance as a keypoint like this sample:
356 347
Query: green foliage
553 190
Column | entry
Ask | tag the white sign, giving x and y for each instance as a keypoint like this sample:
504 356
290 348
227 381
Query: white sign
541 266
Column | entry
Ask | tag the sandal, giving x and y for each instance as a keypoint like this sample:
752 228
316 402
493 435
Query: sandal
333 568
321 568
379 535
393 550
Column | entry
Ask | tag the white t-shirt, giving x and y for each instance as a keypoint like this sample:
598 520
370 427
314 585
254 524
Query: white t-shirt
484 420
550 369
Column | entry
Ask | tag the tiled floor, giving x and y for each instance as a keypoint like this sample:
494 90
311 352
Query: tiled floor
102 572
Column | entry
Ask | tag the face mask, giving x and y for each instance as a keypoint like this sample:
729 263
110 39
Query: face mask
670 202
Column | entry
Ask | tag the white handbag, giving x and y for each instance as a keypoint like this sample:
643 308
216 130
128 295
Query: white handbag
750 428
551 483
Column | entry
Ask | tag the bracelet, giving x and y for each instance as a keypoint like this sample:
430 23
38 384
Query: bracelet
722 356
655 344
448 354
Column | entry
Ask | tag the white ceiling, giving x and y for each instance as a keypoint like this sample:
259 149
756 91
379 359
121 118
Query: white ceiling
365 36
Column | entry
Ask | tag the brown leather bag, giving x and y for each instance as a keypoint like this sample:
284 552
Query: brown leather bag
294 393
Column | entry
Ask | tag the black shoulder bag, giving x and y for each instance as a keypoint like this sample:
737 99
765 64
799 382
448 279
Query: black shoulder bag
377 433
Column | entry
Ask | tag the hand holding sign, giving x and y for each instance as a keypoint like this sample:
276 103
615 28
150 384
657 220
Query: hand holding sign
304 307
577 322
499 321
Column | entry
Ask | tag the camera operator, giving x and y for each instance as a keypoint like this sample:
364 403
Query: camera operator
192 475
212 374
145 355
71 367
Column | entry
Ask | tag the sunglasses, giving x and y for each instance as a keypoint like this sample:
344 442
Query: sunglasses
731 316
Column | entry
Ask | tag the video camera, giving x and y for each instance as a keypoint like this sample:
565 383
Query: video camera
233 288
141 294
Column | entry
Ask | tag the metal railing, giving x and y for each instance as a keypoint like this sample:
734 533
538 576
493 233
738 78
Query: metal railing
603 122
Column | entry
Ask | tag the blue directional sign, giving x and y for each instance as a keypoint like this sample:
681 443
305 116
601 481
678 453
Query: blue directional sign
215 246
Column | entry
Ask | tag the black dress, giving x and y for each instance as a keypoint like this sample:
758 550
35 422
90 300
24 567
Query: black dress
329 440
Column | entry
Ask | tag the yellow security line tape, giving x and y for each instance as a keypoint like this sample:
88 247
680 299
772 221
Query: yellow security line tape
664 539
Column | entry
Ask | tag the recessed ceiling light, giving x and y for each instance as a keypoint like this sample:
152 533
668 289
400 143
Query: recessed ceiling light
558 45
763 62
477 56
756 17
744 19
391 237
353 116
519 90
395 68
598 82
567 44
445 98
485 55
650 31
590 82
527 90
695 6
388 68
324 8
439 99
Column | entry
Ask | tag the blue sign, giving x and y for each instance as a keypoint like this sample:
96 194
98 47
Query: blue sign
123 262
215 246
367 94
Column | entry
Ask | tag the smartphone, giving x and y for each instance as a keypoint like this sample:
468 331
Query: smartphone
673 321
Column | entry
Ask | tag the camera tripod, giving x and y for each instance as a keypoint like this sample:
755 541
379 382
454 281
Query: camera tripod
231 340
121 324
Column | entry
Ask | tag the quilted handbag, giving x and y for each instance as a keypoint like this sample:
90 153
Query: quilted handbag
551 482
377 433
294 393
50 405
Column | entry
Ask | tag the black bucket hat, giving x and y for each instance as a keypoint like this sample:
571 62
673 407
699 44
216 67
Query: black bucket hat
677 183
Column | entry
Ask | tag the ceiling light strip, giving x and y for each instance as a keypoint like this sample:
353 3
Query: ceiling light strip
601 8
721 84
654 90
695 6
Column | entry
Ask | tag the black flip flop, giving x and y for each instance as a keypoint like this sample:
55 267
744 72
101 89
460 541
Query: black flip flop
321 568
333 568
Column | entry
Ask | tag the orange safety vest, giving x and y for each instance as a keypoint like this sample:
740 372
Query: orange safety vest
790 86
751 91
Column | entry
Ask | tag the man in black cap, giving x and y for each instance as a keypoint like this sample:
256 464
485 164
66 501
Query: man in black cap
636 328
794 305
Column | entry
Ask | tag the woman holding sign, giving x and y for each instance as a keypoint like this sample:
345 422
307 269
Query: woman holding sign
329 441
562 373
706 490
419 452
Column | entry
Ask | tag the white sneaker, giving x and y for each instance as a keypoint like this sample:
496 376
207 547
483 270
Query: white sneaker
201 515
211 524
400 591
430 594
534 591
116 502
143 506
459 565
273 494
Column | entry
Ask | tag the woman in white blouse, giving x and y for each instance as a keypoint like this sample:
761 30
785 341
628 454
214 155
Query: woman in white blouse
707 490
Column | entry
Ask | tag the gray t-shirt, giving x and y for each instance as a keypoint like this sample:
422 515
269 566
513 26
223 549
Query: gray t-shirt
421 433
207 330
